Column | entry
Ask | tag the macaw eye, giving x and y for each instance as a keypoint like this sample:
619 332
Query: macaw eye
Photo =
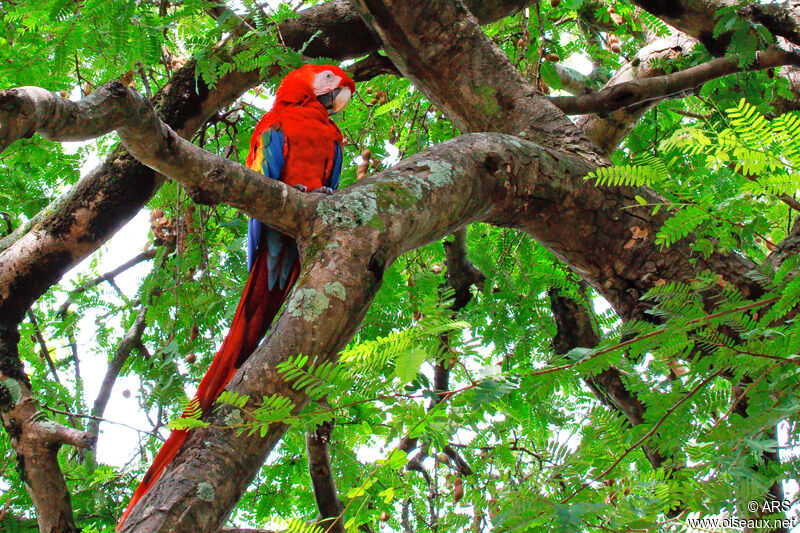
329 75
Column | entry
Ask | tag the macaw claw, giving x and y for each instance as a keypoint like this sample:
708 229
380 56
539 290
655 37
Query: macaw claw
300 187
323 190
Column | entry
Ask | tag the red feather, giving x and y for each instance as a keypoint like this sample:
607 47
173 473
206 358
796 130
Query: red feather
308 160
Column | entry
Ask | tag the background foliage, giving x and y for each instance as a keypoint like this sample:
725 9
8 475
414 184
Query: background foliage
544 453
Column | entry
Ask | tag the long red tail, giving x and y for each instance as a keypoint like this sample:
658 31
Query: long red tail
258 306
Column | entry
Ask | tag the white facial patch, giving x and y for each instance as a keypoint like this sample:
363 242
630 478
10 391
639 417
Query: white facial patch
325 82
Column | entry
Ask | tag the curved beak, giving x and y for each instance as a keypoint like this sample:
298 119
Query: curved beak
336 100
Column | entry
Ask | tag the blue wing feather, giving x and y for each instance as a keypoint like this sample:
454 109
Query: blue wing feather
279 267
336 172
272 142
273 153
254 228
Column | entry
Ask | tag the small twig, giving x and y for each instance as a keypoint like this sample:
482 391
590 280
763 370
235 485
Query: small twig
5 509
739 398
73 345
145 83
43 349
101 419
647 435
108 276
656 333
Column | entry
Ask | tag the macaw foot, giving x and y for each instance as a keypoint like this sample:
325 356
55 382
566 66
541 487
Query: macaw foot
300 187
323 190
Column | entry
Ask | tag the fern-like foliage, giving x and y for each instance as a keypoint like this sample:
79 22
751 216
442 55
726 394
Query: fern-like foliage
316 380
625 176
377 353
190 418
709 175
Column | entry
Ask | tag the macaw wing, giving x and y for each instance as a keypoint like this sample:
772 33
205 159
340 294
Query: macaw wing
336 172
269 161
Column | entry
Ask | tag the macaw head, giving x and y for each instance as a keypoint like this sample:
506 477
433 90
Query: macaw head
327 84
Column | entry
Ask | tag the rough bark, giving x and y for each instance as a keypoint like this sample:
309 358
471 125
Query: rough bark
343 35
319 467
578 222
699 17
635 91
503 180
608 131
103 201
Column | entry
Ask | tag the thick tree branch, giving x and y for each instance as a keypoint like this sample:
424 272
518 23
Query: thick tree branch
698 18
319 467
335 29
544 186
573 81
207 177
609 131
76 224
436 192
493 178
457 56
633 92
373 65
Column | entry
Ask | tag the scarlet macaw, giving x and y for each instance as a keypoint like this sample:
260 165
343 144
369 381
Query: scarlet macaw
295 142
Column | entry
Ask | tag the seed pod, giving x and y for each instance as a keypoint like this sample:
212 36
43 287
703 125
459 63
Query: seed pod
616 48
363 167
555 3
544 87
190 358
616 19
384 516
458 490
553 58
177 62
126 393
361 170
127 79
